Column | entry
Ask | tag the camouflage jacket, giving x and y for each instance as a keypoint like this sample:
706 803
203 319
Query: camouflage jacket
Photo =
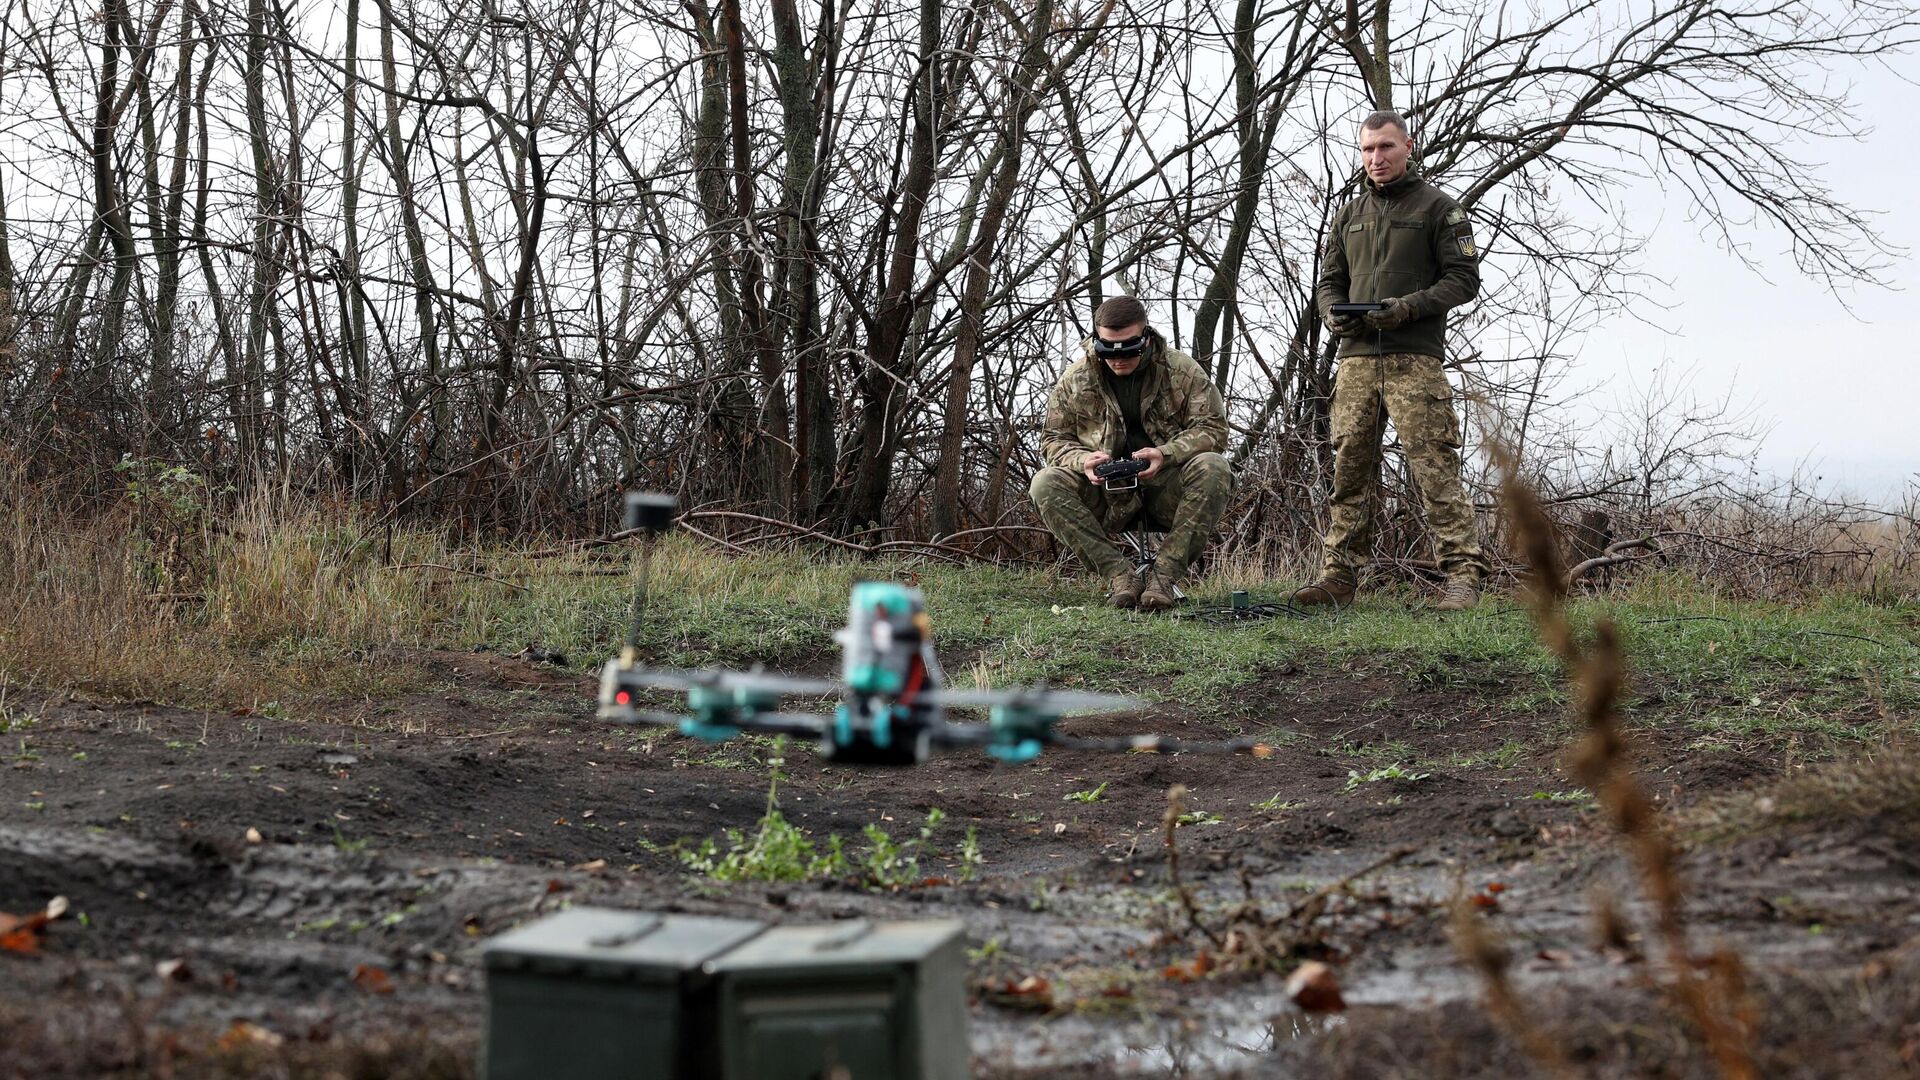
1408 239
1182 411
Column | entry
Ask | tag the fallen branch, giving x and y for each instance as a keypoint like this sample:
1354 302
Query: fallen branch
454 570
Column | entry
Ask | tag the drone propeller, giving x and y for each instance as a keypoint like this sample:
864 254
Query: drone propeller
1156 744
1037 700
755 681
798 725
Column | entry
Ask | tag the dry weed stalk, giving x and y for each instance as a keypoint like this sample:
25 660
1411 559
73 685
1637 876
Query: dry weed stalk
1247 937
1712 992
1490 958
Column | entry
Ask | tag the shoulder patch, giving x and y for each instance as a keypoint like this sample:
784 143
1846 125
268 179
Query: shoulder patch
1358 226
1466 245
1455 216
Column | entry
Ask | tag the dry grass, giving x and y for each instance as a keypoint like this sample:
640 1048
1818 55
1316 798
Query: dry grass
285 599
1850 1023
1882 786
1710 990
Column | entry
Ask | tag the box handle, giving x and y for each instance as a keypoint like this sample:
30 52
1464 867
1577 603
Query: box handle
628 937
856 929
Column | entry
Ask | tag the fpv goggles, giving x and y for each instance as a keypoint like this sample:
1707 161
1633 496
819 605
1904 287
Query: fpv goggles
1119 350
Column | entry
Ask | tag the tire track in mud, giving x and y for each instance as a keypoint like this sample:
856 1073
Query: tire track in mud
298 917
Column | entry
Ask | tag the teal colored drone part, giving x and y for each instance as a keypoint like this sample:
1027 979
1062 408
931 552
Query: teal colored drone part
1019 733
718 713
866 668
873 679
842 727
707 731
1015 753
896 598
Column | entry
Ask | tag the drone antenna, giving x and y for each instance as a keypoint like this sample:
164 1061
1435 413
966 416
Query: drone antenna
651 512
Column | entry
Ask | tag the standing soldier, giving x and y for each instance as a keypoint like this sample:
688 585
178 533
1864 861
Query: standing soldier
1133 395
1407 246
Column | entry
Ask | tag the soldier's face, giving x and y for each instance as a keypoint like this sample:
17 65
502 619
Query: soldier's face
1122 365
1383 153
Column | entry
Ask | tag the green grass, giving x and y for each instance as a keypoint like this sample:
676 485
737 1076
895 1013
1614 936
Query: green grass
1822 673
1356 778
304 601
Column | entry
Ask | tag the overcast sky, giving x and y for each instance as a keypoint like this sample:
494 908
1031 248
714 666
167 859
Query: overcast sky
1839 390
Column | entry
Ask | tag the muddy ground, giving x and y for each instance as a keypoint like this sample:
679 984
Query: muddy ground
306 895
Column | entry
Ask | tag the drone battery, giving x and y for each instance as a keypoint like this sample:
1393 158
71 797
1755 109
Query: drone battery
880 1000
1358 308
595 994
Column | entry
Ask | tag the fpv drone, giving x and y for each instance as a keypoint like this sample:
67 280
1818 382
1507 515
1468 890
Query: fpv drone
893 697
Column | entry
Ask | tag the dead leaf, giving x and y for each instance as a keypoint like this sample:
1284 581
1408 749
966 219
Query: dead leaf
243 1034
57 907
371 979
22 935
593 866
1496 887
555 885
1192 970
253 835
1313 987
173 970
1033 992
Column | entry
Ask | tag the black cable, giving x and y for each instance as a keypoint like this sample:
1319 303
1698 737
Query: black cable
1224 615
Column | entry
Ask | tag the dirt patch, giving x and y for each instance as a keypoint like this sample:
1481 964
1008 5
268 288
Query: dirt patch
277 855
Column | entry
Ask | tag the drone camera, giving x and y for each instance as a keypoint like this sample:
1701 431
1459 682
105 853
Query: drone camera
650 510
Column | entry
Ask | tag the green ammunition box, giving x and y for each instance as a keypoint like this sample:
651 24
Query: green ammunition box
598 994
859 999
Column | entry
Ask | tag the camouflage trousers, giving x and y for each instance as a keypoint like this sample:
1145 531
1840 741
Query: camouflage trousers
1184 501
1412 391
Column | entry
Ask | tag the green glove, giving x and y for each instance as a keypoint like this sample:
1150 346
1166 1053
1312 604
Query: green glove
1396 314
1345 326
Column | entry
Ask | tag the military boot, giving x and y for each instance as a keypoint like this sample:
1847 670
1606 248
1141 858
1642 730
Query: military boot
1160 594
1330 591
1123 589
1459 594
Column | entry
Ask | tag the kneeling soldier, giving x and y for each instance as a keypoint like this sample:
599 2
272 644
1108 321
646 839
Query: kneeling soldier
1133 396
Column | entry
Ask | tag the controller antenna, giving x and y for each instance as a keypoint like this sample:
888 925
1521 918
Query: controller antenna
651 512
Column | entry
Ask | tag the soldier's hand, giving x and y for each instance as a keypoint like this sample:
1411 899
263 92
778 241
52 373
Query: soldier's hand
1153 457
1345 326
1392 317
1098 457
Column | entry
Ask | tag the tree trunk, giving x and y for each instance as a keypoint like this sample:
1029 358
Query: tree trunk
880 382
1021 102
107 199
803 84
418 266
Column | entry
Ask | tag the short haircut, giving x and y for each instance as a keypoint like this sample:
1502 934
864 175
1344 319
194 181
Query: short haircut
1120 312
1382 117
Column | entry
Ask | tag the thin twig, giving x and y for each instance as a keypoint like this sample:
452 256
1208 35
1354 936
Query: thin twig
454 570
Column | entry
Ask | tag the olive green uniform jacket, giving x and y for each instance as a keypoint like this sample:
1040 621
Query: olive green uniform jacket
1409 240
1182 411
